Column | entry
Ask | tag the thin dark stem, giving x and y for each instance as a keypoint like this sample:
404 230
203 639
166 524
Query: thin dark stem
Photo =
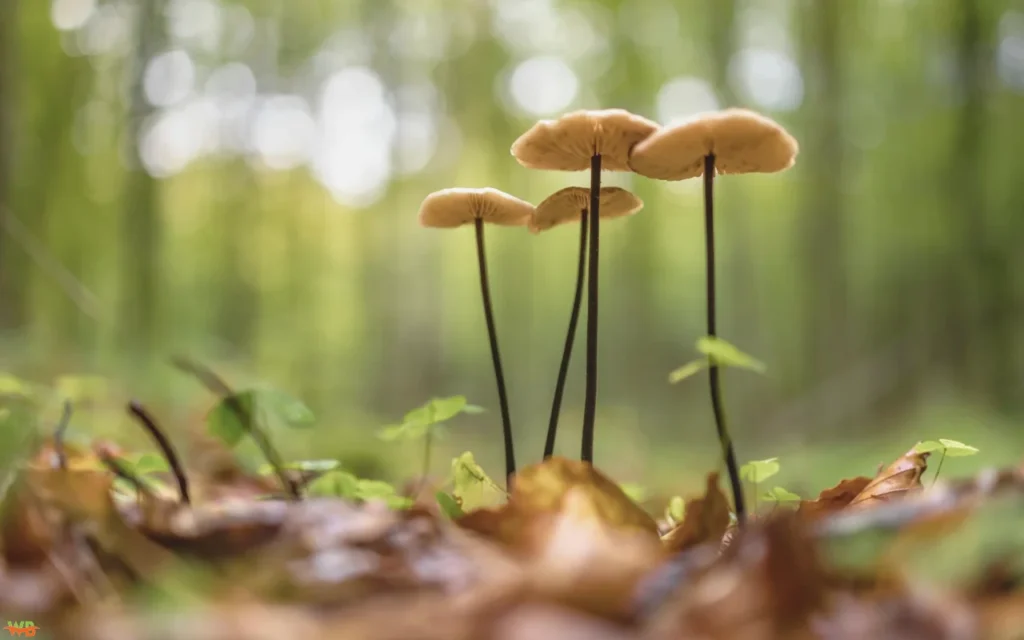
713 372
139 413
216 385
938 468
58 436
492 333
570 338
590 397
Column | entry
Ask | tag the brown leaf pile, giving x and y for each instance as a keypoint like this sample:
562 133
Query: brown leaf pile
568 556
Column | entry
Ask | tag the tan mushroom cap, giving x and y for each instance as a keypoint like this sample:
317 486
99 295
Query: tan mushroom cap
568 143
743 142
450 208
566 205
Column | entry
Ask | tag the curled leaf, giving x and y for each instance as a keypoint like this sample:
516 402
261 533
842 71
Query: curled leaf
707 518
894 481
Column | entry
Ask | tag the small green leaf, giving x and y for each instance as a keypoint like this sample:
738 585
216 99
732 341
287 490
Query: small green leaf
676 509
472 408
635 491
687 370
758 471
467 475
273 405
956 449
14 386
725 354
149 463
778 494
447 408
928 446
391 432
337 483
311 465
449 505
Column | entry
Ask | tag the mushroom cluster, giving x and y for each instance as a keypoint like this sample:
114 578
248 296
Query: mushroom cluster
730 141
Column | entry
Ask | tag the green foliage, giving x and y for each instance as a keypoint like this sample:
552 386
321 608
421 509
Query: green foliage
146 463
676 510
951 448
758 471
718 352
778 495
636 492
267 407
467 475
342 484
449 505
427 419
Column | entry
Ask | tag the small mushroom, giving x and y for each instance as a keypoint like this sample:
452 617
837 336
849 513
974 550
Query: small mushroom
730 141
578 140
451 208
563 207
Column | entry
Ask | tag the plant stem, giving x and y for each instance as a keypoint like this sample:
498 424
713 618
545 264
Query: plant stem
938 468
428 442
485 290
570 337
590 397
713 371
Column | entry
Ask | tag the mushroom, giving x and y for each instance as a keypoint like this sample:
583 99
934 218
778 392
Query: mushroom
574 142
730 141
451 208
563 207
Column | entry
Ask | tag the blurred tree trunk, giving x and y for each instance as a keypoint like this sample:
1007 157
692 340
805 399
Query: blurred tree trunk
237 304
982 350
141 225
824 254
11 298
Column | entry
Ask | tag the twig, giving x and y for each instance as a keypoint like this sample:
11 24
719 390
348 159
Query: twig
58 436
140 413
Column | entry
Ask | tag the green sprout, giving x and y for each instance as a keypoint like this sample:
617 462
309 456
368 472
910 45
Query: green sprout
951 448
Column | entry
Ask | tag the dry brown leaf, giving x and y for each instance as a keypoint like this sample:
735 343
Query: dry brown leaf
894 481
835 498
706 519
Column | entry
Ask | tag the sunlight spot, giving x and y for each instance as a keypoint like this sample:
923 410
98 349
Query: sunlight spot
196 22
231 82
543 85
356 133
174 138
284 132
768 78
1010 53
108 31
68 15
169 78
683 97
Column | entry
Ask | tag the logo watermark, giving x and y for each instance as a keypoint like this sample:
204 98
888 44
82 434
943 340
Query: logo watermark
24 628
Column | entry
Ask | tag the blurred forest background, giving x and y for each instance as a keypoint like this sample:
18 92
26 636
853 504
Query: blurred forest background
238 180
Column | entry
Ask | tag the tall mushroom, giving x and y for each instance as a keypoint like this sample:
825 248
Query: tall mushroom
563 207
451 208
579 140
730 141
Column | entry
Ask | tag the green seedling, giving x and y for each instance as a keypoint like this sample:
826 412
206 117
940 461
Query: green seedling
757 471
951 448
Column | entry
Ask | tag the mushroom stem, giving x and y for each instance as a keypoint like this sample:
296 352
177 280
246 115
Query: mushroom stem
590 397
570 338
485 290
713 373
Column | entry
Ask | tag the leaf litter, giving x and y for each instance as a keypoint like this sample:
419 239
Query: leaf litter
96 542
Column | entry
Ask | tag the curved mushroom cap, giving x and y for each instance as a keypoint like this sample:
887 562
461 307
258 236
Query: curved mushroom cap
743 142
450 208
568 143
566 205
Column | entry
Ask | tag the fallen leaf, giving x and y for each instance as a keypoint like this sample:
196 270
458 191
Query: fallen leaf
834 499
706 519
894 481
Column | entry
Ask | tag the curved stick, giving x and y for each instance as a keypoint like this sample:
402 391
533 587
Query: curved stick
139 412
492 334
713 373
570 337
590 397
